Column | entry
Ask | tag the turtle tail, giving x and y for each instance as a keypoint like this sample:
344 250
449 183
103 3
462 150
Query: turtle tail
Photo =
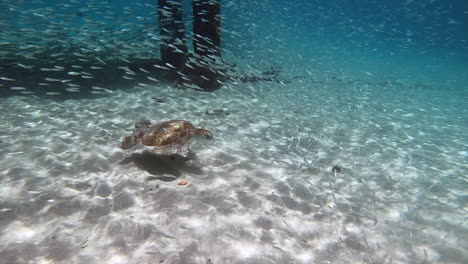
128 142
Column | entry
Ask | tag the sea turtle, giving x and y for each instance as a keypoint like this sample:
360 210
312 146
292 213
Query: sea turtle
164 138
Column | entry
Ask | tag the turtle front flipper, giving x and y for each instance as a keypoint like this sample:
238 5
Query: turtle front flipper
128 142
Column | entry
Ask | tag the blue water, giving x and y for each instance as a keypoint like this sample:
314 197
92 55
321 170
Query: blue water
354 150
425 40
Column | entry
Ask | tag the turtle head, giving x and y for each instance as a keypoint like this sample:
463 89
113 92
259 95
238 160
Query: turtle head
206 134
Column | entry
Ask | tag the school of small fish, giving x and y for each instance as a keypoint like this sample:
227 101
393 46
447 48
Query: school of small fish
70 46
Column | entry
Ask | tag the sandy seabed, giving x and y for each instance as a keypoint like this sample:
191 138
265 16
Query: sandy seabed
262 191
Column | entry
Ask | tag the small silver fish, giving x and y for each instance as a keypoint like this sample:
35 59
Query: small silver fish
52 80
73 90
160 67
73 73
152 79
170 65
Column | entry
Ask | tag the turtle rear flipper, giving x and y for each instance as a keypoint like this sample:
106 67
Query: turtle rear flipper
128 142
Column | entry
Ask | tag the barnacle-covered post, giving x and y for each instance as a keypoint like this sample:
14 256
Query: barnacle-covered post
172 32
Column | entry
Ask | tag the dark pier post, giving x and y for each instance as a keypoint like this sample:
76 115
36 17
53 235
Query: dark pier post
206 27
206 71
172 31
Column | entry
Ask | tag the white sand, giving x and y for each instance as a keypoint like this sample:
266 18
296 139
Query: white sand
262 191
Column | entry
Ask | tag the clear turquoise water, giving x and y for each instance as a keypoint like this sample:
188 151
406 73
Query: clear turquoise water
377 88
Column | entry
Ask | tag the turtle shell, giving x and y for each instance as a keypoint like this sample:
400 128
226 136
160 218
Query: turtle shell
164 138
167 138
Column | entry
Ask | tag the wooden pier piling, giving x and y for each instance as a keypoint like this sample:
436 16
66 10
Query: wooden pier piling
173 46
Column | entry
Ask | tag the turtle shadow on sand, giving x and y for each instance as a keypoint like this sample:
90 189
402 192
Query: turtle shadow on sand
163 167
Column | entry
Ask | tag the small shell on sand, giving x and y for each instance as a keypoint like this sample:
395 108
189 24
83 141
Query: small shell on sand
184 182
